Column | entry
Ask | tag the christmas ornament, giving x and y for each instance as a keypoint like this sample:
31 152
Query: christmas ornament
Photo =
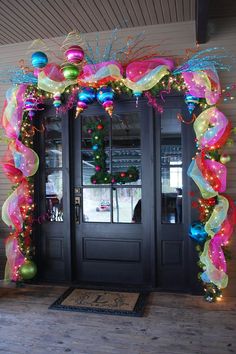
69 71
105 97
224 158
197 231
85 96
39 59
28 270
74 54
191 102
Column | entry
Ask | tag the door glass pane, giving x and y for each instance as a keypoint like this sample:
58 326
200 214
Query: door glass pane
96 204
88 164
126 130
171 168
126 144
89 124
53 142
127 205
124 159
54 196
53 171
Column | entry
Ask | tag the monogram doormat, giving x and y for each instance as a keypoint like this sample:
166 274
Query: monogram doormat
111 302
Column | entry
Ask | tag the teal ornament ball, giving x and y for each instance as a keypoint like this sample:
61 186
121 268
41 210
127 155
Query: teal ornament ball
191 102
197 232
39 60
28 270
95 147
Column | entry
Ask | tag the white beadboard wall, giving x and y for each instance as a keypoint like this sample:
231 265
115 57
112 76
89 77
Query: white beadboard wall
173 39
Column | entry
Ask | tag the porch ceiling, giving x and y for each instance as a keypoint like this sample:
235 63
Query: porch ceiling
25 20
30 19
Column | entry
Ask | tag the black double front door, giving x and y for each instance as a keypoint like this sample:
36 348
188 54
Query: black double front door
104 226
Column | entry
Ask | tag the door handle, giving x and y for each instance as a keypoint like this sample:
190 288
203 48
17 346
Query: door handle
77 210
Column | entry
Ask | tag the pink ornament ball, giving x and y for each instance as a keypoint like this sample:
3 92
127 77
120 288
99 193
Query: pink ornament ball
97 168
74 54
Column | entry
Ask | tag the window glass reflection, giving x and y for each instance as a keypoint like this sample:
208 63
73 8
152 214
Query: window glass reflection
54 196
171 168
127 205
96 204
123 159
126 130
53 142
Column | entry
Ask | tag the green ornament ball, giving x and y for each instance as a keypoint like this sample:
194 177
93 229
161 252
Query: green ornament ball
28 270
224 158
70 71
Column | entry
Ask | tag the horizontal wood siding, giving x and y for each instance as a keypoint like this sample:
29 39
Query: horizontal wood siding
173 39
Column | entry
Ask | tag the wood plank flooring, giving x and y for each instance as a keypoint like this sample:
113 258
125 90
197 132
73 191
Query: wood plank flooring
172 324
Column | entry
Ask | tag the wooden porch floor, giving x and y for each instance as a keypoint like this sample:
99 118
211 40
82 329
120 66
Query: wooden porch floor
173 324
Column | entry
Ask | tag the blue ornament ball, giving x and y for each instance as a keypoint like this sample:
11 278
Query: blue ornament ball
197 231
191 102
137 94
86 95
39 59
95 147
205 278
105 94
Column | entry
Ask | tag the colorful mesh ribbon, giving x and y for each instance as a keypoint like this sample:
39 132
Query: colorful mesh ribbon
100 73
12 111
15 207
50 79
212 130
203 84
19 163
143 75
15 258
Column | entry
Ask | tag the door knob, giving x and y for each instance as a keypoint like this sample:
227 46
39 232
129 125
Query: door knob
77 210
